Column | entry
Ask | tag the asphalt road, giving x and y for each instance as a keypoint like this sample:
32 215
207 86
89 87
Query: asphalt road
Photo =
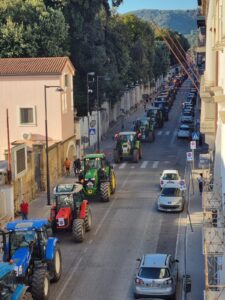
103 266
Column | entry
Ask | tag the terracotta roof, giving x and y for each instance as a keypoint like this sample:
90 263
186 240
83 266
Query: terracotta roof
32 66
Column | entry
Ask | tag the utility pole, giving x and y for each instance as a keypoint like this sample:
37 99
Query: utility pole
88 103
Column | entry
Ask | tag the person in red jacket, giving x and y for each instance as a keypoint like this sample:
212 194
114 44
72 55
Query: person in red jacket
24 209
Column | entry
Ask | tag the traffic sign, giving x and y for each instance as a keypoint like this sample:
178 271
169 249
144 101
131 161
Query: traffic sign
92 123
195 136
192 145
189 156
92 131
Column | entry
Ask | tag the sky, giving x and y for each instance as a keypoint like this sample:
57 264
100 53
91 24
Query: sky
131 5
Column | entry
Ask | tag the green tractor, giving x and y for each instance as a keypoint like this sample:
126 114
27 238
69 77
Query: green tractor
128 146
146 128
156 113
97 176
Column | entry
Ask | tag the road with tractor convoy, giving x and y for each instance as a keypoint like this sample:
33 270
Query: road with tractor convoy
103 266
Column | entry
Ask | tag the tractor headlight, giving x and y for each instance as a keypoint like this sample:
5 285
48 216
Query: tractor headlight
92 179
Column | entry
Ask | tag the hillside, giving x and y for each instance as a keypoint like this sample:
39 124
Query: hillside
183 21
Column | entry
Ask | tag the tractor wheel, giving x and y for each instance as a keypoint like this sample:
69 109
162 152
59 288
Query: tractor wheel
116 156
27 296
88 219
136 155
112 179
78 230
56 265
40 284
105 191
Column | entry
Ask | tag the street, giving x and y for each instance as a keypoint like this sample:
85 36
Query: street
103 266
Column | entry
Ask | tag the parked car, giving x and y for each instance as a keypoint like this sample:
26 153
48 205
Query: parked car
171 198
157 277
186 117
169 176
184 131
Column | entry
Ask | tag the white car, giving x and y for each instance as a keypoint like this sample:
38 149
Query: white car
169 176
171 198
186 117
184 131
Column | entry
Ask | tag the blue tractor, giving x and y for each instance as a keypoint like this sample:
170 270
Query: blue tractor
10 289
36 256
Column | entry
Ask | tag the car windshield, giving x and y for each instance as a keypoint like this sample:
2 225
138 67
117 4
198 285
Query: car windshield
186 114
170 176
21 239
184 128
154 273
170 192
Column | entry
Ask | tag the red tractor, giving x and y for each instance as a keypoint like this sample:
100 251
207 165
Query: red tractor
70 211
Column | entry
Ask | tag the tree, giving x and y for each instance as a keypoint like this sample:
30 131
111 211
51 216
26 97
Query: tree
29 29
161 59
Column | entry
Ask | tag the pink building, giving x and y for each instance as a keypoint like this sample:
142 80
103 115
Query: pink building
22 92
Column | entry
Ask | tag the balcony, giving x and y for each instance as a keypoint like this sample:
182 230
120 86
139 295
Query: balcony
200 21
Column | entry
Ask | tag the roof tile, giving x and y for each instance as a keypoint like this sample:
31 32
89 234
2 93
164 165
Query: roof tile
35 65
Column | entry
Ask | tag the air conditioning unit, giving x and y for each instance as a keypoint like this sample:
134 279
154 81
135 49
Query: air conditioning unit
27 136
3 176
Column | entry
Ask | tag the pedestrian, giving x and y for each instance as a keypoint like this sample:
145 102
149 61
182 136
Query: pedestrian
200 183
77 166
24 209
67 166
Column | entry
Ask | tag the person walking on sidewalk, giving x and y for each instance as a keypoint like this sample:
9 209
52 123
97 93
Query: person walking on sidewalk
24 209
200 183
67 166
76 166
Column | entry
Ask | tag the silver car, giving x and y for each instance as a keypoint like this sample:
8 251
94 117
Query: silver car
157 277
171 198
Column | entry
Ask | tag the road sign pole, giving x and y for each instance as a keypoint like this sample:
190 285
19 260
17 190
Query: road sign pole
193 161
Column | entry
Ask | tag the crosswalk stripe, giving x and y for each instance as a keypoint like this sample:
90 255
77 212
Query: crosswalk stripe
155 164
159 133
168 132
144 164
132 167
122 166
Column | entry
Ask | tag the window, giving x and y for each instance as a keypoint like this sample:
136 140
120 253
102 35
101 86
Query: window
27 115
154 273
67 80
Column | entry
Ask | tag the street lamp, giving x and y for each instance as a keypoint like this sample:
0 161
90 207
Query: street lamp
88 105
98 109
58 89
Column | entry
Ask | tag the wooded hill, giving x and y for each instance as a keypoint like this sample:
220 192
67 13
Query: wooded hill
182 21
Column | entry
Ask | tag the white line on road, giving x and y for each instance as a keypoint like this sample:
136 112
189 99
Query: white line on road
159 133
132 167
155 164
173 138
144 164
167 132
122 166
85 250
72 272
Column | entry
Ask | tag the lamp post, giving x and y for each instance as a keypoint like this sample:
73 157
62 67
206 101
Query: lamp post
88 104
58 89
98 109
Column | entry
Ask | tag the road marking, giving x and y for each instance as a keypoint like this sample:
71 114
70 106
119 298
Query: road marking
132 167
72 273
173 138
155 164
144 164
159 133
85 250
122 166
90 241
167 132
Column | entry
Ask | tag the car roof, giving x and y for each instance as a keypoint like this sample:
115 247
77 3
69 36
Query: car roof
127 132
170 171
182 126
67 189
172 186
155 260
94 155
20 225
